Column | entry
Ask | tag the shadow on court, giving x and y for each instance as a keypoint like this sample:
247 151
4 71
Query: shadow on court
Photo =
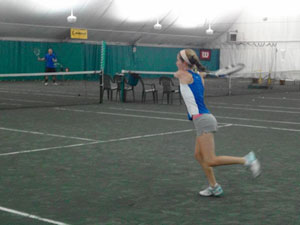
133 163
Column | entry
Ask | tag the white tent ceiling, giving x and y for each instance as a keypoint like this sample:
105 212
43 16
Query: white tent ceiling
184 22
117 21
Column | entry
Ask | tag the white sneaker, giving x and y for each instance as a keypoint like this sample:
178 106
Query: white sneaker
55 83
253 164
212 191
46 83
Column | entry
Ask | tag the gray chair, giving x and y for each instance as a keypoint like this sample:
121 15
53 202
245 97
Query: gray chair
148 88
127 87
109 86
168 89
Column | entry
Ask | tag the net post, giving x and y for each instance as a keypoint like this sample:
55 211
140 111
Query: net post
101 86
122 92
102 66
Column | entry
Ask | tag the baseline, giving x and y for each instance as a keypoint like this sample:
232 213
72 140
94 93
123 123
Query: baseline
45 134
19 213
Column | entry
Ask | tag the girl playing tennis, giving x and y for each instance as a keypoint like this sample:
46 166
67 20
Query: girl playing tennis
192 90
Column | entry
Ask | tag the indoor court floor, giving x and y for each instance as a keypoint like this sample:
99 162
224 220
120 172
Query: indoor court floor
132 163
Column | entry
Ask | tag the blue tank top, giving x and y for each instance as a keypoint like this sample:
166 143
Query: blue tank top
193 96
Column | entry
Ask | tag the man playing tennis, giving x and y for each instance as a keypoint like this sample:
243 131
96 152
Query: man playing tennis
50 59
192 90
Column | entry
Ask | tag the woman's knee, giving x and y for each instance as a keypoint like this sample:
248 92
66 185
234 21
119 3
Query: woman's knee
210 162
198 156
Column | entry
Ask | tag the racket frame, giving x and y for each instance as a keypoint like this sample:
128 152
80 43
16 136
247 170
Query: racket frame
228 70
37 52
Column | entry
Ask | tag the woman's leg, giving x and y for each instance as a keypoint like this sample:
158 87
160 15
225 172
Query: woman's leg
205 155
207 150
209 172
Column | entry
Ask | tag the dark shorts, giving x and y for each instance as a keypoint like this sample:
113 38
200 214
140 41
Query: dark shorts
50 70
206 123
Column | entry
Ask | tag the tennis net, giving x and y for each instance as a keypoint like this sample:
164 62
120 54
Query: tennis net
29 90
237 84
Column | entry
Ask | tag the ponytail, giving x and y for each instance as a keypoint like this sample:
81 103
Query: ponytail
190 57
196 62
200 67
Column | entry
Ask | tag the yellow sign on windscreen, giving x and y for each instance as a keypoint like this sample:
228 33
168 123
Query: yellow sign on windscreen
79 33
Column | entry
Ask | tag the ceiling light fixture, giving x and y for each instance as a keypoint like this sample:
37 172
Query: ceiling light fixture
209 31
72 18
157 26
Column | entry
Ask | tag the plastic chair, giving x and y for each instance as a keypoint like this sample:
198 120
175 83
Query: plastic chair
109 86
127 87
168 89
148 88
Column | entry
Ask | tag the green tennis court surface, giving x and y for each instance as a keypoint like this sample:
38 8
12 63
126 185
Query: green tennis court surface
134 164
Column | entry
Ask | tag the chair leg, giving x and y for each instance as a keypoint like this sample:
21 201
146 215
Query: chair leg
153 94
111 94
144 97
133 95
107 92
118 95
124 96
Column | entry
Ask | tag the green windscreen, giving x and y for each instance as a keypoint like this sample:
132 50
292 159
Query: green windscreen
149 59
19 57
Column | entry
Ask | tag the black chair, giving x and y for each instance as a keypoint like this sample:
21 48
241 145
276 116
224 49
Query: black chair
168 89
148 88
127 87
109 86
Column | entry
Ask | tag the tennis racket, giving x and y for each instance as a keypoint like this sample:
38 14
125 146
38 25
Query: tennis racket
36 52
227 71
59 65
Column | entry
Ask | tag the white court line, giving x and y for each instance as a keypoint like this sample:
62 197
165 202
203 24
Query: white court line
2 103
23 100
97 142
260 106
163 118
258 120
63 95
45 134
244 125
268 106
259 110
19 213
139 137
48 95
120 114
283 98
225 125
107 141
47 149
223 117
263 127
147 111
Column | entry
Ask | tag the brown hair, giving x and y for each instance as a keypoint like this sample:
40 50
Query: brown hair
194 61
